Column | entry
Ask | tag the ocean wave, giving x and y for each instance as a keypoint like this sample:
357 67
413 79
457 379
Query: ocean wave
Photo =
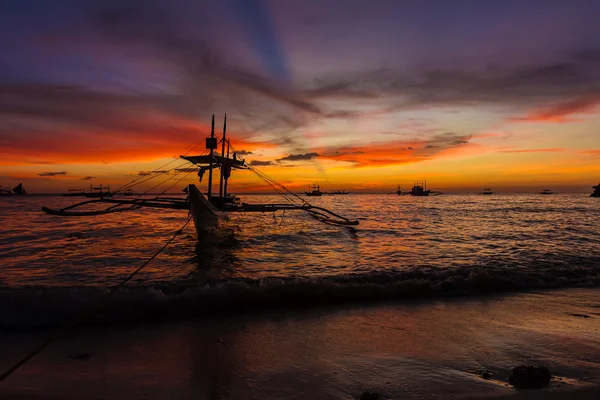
37 307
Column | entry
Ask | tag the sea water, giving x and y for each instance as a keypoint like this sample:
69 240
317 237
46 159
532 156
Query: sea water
404 247
415 302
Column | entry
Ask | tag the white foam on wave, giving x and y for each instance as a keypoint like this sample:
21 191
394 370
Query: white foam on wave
32 307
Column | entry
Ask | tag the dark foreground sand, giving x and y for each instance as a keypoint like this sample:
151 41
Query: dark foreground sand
432 349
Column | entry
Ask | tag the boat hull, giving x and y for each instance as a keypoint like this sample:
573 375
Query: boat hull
98 195
206 216
420 194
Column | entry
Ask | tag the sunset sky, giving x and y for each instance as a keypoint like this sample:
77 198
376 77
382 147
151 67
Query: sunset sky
362 95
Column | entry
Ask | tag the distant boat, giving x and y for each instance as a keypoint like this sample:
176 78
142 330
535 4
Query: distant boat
487 191
546 191
399 191
316 191
5 192
128 192
343 191
596 192
99 191
19 190
419 189
74 192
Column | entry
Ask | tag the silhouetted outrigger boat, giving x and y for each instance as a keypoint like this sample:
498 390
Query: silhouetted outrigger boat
419 189
208 212
75 192
315 192
19 190
99 191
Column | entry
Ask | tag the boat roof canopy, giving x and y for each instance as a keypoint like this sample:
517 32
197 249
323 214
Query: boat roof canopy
205 161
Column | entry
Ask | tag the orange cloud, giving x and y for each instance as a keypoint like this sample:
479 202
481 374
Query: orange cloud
400 152
548 150
561 112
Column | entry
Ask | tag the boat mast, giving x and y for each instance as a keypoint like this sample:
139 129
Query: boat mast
211 145
222 156
226 177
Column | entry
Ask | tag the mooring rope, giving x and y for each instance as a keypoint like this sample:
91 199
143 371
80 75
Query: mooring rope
86 313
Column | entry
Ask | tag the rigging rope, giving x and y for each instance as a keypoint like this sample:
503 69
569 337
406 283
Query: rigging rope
86 313
278 187
130 184
179 180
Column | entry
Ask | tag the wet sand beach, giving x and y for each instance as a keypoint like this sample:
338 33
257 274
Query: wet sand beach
428 349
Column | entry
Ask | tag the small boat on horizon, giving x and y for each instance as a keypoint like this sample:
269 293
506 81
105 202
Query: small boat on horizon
343 191
546 191
74 192
487 191
18 190
419 189
596 192
399 191
128 192
315 192
99 191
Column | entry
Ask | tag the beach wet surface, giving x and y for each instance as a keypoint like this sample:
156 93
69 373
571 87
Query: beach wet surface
415 349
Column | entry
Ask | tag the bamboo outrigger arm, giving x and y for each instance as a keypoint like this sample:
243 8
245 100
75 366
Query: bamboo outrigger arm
320 213
134 204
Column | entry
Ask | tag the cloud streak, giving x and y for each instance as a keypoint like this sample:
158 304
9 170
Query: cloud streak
53 173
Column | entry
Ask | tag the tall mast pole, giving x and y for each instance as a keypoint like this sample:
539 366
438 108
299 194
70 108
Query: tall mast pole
222 156
226 178
210 165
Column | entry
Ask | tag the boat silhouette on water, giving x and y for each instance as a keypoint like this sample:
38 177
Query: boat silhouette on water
18 190
74 192
596 192
546 192
315 192
99 191
208 212
487 192
419 189
335 192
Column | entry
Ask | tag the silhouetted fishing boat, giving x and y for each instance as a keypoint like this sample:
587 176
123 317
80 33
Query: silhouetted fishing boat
18 190
208 212
315 192
128 192
419 189
99 191
546 191
399 191
487 192
343 191
596 192
75 192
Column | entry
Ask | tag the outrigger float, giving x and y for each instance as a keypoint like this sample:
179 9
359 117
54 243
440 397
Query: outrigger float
208 212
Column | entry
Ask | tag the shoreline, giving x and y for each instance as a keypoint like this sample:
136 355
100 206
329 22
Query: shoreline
412 350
